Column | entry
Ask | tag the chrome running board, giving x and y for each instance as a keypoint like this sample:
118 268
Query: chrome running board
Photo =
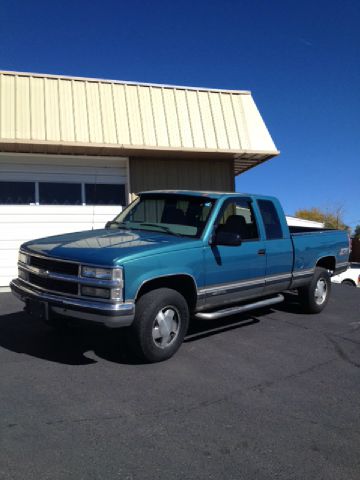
226 312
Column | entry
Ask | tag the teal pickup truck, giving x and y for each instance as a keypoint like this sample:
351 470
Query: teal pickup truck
173 255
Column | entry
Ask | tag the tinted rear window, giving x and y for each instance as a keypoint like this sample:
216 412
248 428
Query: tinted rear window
271 219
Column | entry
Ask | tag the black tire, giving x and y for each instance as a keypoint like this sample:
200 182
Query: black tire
314 297
348 283
161 322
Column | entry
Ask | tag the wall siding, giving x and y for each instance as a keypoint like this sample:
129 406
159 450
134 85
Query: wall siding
196 174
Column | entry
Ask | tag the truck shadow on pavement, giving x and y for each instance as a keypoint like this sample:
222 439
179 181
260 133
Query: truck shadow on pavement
74 345
78 345
290 305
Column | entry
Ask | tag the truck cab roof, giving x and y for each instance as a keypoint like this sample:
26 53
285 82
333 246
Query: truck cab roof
204 193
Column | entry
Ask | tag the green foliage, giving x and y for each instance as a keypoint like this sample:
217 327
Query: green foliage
357 231
329 219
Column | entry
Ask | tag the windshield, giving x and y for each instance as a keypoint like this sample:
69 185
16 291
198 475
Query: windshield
182 215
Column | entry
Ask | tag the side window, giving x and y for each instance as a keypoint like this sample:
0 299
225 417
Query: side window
271 219
238 217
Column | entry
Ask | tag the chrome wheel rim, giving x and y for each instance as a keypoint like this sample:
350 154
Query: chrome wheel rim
166 326
320 291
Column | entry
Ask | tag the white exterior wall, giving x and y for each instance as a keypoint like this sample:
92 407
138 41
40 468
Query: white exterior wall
20 223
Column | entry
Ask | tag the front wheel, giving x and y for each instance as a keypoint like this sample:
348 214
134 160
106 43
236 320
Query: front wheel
161 322
314 297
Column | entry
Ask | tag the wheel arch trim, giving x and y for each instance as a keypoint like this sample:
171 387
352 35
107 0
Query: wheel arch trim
169 275
331 258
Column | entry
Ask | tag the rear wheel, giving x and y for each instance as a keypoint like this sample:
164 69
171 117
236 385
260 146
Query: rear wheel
314 297
348 283
160 325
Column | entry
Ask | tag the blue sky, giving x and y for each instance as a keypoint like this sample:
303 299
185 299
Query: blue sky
301 60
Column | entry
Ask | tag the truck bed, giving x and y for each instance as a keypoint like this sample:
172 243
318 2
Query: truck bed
311 244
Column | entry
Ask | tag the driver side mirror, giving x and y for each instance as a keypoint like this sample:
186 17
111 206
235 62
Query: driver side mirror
230 239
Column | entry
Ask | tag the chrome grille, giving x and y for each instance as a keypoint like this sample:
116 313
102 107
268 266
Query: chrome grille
65 278
54 265
53 285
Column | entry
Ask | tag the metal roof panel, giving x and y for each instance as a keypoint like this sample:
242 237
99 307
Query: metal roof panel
70 111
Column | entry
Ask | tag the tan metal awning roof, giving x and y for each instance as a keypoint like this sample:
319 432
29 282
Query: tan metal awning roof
47 113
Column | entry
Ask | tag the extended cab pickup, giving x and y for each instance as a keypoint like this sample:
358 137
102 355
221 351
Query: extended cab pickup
171 255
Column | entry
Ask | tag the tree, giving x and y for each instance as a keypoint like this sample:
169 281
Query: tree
357 231
329 219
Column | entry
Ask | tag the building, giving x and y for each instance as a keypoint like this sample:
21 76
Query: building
74 151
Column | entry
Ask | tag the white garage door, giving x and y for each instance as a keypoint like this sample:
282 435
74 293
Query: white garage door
42 195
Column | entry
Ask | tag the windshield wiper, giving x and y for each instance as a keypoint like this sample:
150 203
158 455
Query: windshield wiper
166 229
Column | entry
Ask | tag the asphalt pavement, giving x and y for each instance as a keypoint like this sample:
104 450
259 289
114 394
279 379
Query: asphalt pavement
271 395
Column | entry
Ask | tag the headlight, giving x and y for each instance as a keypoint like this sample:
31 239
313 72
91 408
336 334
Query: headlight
94 272
114 274
23 258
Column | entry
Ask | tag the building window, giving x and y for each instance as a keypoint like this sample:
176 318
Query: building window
58 193
51 193
17 193
271 219
104 194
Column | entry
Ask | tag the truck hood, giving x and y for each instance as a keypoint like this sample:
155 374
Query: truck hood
108 246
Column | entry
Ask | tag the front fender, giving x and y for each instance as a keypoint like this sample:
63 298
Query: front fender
186 262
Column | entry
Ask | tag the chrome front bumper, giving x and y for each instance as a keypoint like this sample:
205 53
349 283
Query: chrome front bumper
111 315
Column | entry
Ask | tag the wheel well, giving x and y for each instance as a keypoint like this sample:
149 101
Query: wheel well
183 284
327 262
348 280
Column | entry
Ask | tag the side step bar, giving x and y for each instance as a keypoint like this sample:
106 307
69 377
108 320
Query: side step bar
239 309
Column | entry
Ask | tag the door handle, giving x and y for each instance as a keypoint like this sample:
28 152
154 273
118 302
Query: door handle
262 251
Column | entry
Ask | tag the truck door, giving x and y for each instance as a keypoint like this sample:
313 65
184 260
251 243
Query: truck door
235 273
278 246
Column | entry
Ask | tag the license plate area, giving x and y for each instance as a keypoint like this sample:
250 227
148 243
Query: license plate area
37 309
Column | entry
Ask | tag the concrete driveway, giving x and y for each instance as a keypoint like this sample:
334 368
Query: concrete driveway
271 395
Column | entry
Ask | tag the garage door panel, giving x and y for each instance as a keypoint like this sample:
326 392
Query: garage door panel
6 275
9 244
39 214
63 177
68 161
46 219
107 209
7 258
37 230
51 169
21 223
